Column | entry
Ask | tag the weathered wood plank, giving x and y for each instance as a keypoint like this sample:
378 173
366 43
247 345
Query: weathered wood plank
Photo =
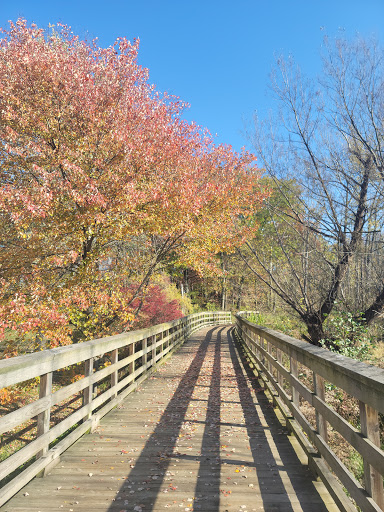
370 428
358 379
19 369
364 381
198 435
356 490
43 419
319 391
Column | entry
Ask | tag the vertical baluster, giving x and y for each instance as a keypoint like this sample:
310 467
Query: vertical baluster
131 351
43 419
269 350
114 375
369 420
279 360
258 352
252 342
88 391
319 389
162 344
262 346
166 335
294 371
154 349
144 357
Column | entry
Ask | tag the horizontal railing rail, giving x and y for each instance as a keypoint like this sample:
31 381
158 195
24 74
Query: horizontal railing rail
130 358
278 358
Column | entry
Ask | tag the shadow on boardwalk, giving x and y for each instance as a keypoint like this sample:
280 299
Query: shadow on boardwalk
268 465
199 435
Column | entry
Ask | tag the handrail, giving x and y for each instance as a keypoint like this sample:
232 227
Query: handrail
276 357
133 356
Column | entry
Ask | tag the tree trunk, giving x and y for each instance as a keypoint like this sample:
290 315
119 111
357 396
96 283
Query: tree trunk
315 328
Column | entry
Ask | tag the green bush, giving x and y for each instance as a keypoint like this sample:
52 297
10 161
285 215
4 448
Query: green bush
347 335
282 322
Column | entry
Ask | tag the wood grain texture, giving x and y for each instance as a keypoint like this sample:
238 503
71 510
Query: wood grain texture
17 369
199 434
358 379
363 381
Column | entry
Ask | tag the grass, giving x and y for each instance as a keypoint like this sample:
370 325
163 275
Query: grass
283 322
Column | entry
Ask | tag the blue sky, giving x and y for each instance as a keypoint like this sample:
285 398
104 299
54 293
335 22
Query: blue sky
214 54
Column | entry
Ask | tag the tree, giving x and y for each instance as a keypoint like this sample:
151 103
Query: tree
327 142
101 182
163 303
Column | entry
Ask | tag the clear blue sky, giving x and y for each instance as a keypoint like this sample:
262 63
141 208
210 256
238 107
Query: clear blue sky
214 54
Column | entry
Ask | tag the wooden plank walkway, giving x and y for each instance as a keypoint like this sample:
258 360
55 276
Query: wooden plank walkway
199 435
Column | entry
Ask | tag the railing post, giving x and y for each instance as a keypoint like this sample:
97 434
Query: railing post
131 351
114 375
252 341
43 419
154 350
88 391
257 347
319 389
279 360
183 332
262 348
269 364
369 420
144 357
166 333
294 371
162 344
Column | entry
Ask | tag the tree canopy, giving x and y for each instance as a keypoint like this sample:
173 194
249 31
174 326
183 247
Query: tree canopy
101 180
324 147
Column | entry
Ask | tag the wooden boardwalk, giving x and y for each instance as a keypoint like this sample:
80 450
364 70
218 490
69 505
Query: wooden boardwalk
199 435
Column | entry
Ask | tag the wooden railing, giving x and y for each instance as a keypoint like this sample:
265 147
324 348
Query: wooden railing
278 359
127 358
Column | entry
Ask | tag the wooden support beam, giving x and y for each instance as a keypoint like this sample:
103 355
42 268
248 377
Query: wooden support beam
373 480
294 371
88 391
280 379
43 419
319 389
114 375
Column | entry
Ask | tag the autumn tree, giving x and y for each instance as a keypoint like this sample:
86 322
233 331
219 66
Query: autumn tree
101 182
326 140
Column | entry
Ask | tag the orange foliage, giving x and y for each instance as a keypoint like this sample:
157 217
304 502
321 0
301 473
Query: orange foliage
101 180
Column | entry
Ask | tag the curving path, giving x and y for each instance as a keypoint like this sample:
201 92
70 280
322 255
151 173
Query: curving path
200 435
